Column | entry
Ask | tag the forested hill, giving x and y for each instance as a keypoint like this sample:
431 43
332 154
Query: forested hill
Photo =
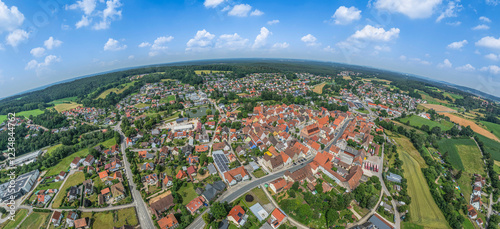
86 89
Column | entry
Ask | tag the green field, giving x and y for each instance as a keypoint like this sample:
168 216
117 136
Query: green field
167 99
109 143
35 112
52 148
187 192
75 179
142 105
493 127
9 224
198 72
3 118
64 100
115 90
418 121
464 154
106 220
464 183
424 210
36 220
490 146
63 165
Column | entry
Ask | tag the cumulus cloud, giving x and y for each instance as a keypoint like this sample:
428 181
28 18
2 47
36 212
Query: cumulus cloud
484 19
52 43
256 13
493 69
17 36
376 34
489 42
273 22
414 9
415 59
240 10
446 64
344 15
261 39
38 52
144 44
481 27
493 57
87 6
309 39
212 3
103 18
451 10
113 45
10 18
110 13
159 45
457 44
42 66
456 23
329 49
201 41
84 22
466 67
283 45
231 42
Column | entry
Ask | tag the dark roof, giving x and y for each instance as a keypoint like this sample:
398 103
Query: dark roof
211 190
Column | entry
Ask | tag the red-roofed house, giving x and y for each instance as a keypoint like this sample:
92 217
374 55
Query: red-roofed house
236 175
237 216
195 204
168 222
277 218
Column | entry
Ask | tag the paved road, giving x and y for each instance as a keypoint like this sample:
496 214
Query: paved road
141 208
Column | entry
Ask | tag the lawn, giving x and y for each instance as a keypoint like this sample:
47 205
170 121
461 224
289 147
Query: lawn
167 99
259 173
187 192
109 143
73 180
418 121
490 146
142 105
63 165
126 216
66 106
424 210
493 127
20 214
36 220
464 154
35 112
260 195
3 118
52 148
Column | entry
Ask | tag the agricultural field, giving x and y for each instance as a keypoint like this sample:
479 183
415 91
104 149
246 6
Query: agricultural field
492 127
491 147
3 118
464 154
199 72
75 179
473 125
35 112
438 108
36 220
319 88
9 224
115 90
424 210
418 121
64 100
66 106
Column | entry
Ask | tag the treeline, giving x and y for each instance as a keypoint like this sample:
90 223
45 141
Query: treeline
50 119
43 138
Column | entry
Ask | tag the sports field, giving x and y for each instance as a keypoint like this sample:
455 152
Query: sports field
473 125
424 211
418 121
464 154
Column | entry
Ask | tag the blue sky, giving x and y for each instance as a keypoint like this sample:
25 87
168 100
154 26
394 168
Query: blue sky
53 40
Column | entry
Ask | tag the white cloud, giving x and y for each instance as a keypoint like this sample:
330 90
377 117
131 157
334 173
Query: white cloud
329 49
17 36
113 45
226 8
38 52
10 18
382 48
212 3
273 22
466 67
492 2
231 42
87 6
283 45
84 22
451 10
344 15
481 27
109 14
260 40
52 43
256 13
456 23
144 44
240 10
202 40
420 61
376 34
457 44
446 64
493 57
484 19
412 8
309 39
489 42
159 45
493 69
131 57
42 66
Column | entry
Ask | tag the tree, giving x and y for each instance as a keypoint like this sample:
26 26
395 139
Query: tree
208 112
295 186
319 188
219 210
